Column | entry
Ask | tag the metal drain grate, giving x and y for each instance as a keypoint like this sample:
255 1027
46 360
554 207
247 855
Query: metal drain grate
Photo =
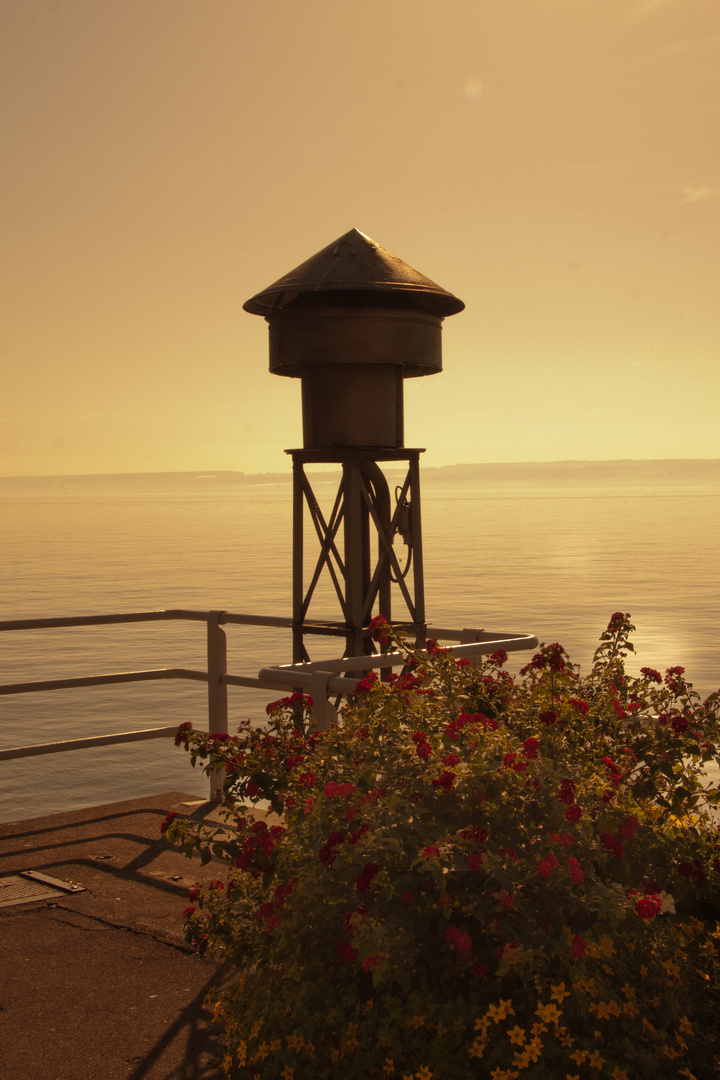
30 885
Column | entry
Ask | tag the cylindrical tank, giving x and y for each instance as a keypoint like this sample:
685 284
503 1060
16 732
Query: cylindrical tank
352 322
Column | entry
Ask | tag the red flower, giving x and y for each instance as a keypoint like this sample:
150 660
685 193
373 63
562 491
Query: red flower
168 820
446 780
573 814
460 941
573 866
307 779
544 868
475 861
431 852
333 790
181 735
651 674
476 833
370 963
367 876
579 947
189 911
346 950
649 906
567 791
530 748
547 717
479 969
628 828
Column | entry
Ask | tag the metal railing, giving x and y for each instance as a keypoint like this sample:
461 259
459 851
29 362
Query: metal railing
321 679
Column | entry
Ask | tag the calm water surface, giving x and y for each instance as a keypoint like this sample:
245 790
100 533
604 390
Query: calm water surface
553 562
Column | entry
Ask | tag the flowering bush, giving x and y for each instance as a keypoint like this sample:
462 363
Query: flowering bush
472 874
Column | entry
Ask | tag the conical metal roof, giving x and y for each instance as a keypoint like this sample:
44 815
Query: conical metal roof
355 264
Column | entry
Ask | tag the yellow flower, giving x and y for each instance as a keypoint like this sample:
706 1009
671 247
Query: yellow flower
672 968
687 1074
569 1077
603 1012
534 1049
647 1025
441 1030
521 1059
619 1074
241 1052
538 1029
263 1050
628 991
255 1029
477 1049
287 1073
309 1049
417 1021
517 1035
595 1061
685 1025
548 1013
578 1056
630 1009
226 1064
606 945
482 1025
275 1045
423 1073
506 1009
389 1065
643 971
671 1052
559 993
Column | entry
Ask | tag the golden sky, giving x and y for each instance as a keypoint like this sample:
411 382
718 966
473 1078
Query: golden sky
554 163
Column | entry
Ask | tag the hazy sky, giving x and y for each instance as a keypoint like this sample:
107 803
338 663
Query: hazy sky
554 163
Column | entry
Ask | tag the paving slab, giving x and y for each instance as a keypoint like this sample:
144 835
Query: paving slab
99 984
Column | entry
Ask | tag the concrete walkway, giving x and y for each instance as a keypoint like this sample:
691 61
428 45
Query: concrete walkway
99 985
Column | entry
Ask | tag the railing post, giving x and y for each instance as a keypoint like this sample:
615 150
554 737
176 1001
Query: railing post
217 689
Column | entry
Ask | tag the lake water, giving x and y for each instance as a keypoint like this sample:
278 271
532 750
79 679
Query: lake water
555 562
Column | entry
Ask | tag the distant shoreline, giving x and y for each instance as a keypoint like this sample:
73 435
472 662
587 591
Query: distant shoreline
682 472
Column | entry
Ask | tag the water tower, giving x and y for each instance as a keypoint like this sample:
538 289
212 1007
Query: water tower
352 323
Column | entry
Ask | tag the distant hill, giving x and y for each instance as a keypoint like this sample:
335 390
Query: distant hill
680 472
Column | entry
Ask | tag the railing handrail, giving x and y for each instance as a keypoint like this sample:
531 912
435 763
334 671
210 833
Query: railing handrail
321 679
